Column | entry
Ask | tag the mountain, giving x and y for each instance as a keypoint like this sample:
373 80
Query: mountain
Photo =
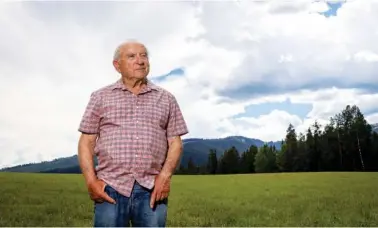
46 166
198 149
195 148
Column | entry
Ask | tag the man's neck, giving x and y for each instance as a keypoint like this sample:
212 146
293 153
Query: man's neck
134 85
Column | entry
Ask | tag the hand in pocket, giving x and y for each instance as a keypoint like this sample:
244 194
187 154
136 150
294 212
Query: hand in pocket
97 192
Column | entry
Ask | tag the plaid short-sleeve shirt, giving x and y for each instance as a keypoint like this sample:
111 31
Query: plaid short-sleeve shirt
133 132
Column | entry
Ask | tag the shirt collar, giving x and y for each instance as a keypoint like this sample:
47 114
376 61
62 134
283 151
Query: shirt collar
149 86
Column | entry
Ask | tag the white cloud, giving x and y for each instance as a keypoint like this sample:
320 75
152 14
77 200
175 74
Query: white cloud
326 103
318 46
372 118
367 56
266 127
54 54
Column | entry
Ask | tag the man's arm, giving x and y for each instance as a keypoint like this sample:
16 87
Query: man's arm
175 129
85 156
163 180
173 156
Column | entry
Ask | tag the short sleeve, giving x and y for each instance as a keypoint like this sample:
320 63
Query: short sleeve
91 119
176 123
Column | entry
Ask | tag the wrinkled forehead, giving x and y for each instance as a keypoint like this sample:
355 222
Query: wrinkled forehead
133 48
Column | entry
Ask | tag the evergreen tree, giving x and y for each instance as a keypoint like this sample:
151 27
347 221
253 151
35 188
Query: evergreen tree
247 160
191 169
331 151
346 143
265 160
280 159
372 164
289 159
212 164
302 153
230 161
315 156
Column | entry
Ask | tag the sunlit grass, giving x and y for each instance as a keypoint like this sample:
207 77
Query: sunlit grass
296 199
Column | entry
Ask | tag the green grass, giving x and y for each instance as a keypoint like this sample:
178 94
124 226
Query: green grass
297 199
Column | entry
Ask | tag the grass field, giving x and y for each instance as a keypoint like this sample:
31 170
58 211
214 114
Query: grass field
297 199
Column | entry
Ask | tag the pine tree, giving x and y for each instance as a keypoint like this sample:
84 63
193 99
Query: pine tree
212 164
265 160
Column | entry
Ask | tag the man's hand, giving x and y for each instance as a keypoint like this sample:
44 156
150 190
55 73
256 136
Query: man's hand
95 186
97 192
161 189
163 180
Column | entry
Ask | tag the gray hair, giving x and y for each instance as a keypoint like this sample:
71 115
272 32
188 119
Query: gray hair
117 52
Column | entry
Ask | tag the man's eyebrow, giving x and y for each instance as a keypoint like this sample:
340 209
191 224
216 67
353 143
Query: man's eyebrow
130 54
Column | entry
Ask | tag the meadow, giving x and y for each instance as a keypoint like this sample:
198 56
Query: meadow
282 199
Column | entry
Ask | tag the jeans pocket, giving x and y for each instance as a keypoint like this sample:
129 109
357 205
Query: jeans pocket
110 191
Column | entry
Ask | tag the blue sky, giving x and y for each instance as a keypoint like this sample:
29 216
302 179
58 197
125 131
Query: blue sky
257 110
236 68
333 8
177 72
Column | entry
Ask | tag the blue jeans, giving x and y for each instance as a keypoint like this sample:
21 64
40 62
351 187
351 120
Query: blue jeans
134 210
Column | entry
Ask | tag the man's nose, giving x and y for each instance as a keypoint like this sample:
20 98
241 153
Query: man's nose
139 60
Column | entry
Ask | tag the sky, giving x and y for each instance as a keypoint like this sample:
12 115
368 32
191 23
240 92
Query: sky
246 68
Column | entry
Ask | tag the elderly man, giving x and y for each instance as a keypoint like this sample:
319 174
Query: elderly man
134 127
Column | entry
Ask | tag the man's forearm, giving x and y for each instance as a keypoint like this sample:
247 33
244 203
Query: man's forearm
173 156
85 157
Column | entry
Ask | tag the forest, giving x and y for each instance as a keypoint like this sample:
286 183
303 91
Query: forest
346 143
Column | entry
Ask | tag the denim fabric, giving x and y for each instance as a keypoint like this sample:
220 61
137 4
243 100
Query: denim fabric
134 210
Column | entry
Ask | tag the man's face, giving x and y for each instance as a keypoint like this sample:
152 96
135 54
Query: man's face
133 61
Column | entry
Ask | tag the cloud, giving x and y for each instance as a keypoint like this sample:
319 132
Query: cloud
325 103
52 60
277 120
373 118
237 68
291 51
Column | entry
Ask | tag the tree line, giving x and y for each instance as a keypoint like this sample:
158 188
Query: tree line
346 143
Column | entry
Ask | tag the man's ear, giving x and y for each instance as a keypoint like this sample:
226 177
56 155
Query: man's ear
116 65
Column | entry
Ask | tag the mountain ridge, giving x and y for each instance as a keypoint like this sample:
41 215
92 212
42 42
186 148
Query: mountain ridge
196 149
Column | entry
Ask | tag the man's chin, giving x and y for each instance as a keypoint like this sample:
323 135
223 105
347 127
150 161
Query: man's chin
141 75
